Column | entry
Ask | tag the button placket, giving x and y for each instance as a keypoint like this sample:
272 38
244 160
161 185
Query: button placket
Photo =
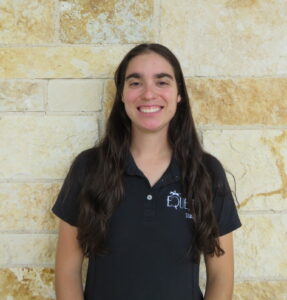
149 207
149 197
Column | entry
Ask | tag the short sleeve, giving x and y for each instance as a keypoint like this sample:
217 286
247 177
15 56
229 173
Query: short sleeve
224 205
66 206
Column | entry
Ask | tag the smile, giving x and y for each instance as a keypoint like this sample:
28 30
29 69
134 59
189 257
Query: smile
149 109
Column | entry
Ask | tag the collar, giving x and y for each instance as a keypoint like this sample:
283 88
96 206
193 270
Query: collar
171 174
131 167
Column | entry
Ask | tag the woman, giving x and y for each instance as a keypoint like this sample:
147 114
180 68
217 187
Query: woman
146 202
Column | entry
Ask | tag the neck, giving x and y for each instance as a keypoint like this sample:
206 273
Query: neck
150 144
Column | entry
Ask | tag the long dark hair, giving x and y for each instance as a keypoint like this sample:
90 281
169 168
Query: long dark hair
103 188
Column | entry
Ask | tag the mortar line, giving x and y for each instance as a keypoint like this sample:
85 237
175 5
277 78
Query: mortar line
259 278
57 21
242 127
32 180
30 80
34 233
261 212
65 45
238 76
48 113
37 79
239 279
12 266
21 113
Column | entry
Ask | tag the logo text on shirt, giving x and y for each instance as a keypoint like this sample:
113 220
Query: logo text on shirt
175 200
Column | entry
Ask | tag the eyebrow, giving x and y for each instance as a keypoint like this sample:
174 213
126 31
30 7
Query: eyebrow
159 75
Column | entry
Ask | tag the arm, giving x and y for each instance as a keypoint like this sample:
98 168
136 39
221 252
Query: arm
69 259
219 270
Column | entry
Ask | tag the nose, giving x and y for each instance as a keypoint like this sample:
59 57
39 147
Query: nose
148 92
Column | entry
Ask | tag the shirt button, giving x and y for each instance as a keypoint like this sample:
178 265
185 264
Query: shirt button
149 197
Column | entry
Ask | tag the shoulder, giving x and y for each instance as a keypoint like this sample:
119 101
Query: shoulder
217 173
85 157
82 163
214 167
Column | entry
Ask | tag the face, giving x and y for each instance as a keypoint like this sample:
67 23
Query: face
150 93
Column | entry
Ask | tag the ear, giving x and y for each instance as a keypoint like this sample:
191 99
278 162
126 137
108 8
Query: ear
178 98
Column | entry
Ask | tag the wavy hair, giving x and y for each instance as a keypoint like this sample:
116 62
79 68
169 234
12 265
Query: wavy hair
103 188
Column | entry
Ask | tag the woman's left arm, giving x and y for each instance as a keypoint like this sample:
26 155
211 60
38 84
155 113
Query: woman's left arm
220 271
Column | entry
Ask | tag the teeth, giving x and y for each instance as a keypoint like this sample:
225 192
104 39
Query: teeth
149 109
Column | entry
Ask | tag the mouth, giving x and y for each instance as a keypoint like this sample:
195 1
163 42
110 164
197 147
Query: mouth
150 109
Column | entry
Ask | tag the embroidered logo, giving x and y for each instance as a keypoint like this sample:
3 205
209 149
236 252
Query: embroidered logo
175 200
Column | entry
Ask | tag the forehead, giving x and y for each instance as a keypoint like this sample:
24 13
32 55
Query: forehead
149 63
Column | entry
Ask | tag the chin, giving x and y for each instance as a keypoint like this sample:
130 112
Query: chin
153 128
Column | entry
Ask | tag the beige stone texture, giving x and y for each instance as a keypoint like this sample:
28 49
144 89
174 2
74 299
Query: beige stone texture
260 290
27 206
239 101
27 21
258 161
260 246
27 284
27 249
43 146
21 95
115 21
60 62
75 95
231 37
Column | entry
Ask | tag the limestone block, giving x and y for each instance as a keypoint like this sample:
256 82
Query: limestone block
239 101
21 95
27 206
27 248
60 62
260 246
117 21
27 21
27 284
258 161
75 95
43 146
260 290
234 37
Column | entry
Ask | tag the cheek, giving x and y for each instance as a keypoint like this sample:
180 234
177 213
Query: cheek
171 97
130 95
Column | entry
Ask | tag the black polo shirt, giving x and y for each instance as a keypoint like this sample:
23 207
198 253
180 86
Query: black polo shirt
149 235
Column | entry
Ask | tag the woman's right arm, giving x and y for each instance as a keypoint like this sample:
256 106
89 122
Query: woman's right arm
69 259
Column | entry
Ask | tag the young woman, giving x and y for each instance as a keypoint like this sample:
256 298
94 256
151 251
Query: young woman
147 201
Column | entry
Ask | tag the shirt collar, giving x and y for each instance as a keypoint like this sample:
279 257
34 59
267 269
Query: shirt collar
172 173
131 167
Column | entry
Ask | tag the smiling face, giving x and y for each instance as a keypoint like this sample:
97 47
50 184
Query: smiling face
150 93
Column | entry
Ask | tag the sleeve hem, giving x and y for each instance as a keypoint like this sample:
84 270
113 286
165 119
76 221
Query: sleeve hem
63 218
230 228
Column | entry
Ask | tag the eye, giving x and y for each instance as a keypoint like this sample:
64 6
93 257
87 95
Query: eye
163 83
134 84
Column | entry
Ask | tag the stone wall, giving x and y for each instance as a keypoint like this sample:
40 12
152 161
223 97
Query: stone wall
57 59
